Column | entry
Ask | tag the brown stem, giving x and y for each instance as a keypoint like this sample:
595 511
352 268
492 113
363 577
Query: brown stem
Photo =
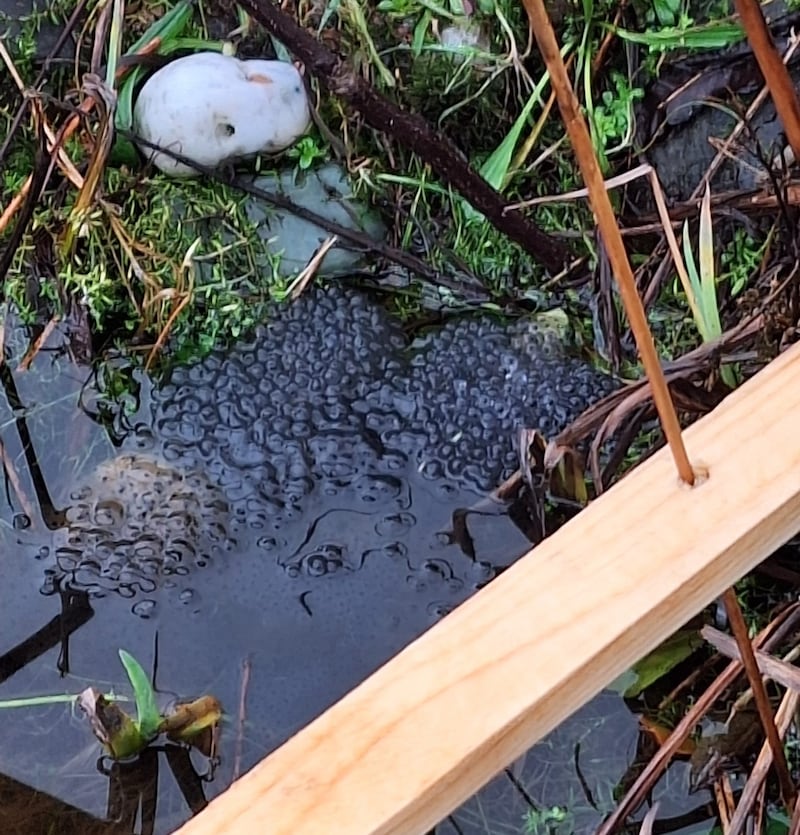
739 629
768 639
604 215
773 69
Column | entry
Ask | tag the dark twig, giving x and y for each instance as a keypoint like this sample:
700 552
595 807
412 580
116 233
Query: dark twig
767 639
62 38
470 287
410 130
739 628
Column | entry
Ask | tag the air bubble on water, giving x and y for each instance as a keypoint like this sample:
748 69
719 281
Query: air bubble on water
21 522
395 524
50 584
144 608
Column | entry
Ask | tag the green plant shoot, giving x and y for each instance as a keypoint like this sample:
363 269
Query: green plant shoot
703 282
147 715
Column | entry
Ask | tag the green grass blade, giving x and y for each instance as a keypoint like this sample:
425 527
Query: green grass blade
420 30
148 717
714 35
114 43
331 9
42 701
166 27
281 52
353 10
708 280
123 118
36 701
708 283
694 281
496 168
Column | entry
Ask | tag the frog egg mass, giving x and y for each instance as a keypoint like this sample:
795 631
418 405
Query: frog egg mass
214 109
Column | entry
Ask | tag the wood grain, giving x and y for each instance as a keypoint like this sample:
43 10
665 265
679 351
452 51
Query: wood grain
447 713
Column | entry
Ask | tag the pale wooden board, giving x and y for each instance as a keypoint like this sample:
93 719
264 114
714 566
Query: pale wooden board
445 715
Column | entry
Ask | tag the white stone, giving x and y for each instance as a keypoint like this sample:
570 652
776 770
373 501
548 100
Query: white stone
214 109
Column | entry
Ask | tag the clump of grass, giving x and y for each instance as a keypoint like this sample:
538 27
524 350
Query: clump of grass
178 260
143 254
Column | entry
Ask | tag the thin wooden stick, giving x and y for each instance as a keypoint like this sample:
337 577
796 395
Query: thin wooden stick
739 628
637 793
758 774
773 69
794 826
604 214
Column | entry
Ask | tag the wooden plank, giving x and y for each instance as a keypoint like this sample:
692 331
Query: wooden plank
447 713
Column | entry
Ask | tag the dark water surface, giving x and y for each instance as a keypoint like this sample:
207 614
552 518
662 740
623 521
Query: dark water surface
274 523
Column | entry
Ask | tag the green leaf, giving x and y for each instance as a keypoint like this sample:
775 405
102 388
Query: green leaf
666 11
708 281
663 659
148 717
703 282
714 35
114 43
694 281
166 27
331 10
123 118
496 168
419 33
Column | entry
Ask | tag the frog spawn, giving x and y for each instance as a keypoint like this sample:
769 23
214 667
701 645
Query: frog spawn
328 416
136 521
312 440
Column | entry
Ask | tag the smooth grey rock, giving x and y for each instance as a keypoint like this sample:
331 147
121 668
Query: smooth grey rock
325 191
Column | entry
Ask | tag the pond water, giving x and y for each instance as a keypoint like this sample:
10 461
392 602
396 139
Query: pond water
268 526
